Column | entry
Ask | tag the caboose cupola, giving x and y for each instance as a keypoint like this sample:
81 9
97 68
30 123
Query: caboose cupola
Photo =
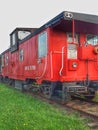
18 35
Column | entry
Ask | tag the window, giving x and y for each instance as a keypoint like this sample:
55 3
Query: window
70 38
42 44
23 34
72 51
21 55
13 39
6 60
92 39
2 60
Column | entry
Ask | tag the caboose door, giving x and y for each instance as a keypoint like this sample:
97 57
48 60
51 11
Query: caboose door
20 62
42 54
17 64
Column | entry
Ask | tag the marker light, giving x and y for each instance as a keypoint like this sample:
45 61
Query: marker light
74 65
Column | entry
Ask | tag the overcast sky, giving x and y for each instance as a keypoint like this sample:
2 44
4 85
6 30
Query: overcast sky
35 13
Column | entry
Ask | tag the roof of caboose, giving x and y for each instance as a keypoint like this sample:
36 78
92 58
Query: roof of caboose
76 16
23 29
84 23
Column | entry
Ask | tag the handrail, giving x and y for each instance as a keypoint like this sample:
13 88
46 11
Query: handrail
60 72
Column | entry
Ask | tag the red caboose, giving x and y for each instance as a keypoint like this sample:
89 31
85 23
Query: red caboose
60 58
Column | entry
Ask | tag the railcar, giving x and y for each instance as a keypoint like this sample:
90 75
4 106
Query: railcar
60 58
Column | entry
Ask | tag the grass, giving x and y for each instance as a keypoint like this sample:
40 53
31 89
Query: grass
96 97
23 112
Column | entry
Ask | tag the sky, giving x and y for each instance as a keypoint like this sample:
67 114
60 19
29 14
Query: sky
35 13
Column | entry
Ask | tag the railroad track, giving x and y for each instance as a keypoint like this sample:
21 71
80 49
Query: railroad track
85 100
88 109
84 106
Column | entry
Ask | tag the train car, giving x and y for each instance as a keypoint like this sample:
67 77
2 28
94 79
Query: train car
60 58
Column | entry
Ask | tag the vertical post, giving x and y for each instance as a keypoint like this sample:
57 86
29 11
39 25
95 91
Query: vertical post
73 30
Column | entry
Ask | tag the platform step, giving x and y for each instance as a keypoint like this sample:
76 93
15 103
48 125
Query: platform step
77 88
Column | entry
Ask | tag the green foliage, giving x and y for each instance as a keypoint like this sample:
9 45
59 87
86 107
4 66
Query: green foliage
20 111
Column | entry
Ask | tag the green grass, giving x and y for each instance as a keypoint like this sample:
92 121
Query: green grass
96 97
20 111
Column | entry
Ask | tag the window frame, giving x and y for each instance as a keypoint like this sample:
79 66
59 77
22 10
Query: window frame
14 46
7 60
21 35
21 55
93 44
2 61
46 44
76 40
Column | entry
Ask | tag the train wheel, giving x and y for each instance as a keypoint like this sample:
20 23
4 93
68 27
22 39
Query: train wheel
46 91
